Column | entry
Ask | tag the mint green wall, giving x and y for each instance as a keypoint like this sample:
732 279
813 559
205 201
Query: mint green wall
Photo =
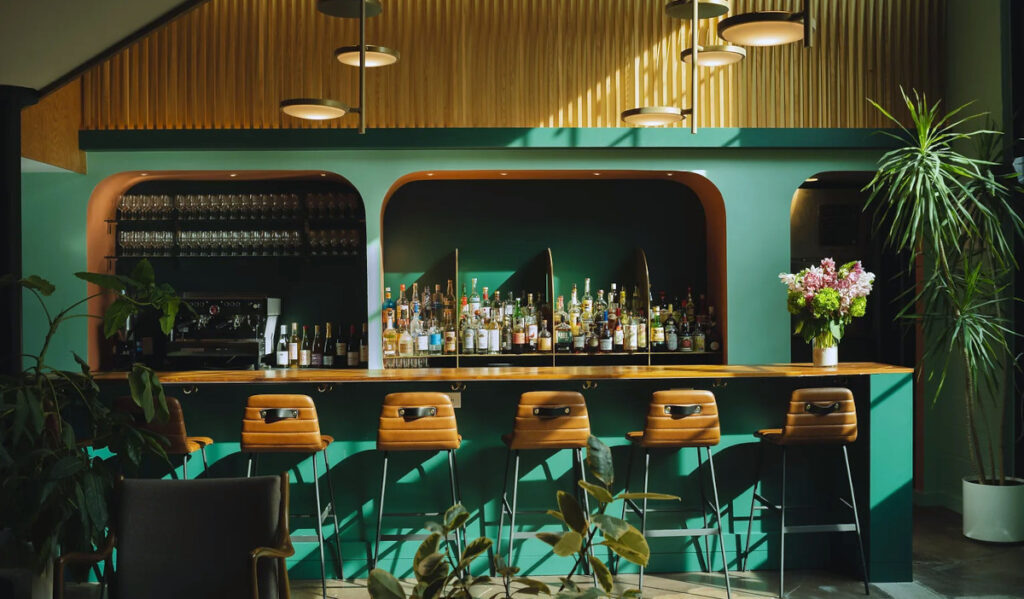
757 185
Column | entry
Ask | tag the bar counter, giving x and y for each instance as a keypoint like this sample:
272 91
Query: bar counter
550 373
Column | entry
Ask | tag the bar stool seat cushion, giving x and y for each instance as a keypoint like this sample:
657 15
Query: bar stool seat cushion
680 418
825 416
418 422
297 430
536 428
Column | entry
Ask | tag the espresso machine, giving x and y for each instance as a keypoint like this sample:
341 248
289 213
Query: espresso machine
223 331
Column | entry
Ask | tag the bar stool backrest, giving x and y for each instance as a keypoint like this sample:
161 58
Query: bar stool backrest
281 422
173 429
826 415
682 418
416 422
551 419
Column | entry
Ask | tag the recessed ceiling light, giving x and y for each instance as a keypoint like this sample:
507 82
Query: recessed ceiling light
313 109
348 9
715 56
653 116
764 28
376 56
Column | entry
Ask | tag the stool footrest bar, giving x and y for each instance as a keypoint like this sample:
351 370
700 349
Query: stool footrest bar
681 532
813 528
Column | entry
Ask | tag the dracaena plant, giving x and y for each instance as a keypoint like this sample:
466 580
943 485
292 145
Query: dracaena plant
441 575
957 212
53 487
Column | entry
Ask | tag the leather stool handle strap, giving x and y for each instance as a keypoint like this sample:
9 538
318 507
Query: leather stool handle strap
274 414
551 411
821 409
417 412
683 410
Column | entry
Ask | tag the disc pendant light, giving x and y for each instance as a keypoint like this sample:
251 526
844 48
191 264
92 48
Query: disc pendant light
718 55
314 109
654 116
348 9
376 56
768 28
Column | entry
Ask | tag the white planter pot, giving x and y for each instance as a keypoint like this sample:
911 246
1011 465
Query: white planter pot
825 356
994 513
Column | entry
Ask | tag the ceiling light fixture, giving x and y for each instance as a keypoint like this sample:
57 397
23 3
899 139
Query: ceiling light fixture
768 28
718 55
314 109
376 56
348 9
706 9
654 116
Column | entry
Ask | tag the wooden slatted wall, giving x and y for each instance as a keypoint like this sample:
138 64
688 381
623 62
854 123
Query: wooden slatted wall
511 63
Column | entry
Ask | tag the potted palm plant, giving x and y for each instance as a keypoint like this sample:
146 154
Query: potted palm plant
955 211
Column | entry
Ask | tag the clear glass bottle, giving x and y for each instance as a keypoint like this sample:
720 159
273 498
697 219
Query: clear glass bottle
613 302
420 332
544 337
414 300
494 344
402 308
630 341
579 339
481 332
406 343
575 311
390 341
485 308
497 306
451 342
560 314
436 343
587 305
474 298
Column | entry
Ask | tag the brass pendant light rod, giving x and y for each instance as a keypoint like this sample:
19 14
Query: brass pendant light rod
694 99
362 66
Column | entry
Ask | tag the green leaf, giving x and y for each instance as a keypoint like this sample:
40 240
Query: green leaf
434 589
551 538
473 550
455 517
427 547
116 316
140 386
170 312
429 565
604 575
143 273
95 501
570 543
611 527
654 496
570 509
502 568
556 515
111 282
631 546
37 283
382 585
599 460
65 467
82 363
534 585
434 527
600 493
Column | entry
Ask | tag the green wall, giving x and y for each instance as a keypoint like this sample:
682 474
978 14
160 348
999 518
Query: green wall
756 184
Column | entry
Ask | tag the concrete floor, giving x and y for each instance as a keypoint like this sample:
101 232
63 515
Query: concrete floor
945 565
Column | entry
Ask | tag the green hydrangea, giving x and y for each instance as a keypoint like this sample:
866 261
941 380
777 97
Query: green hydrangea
858 306
795 302
825 303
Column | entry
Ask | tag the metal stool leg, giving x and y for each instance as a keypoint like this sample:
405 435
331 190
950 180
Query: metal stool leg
745 562
206 464
718 523
586 509
501 508
458 490
459 538
248 466
380 511
184 466
643 512
319 529
334 514
856 521
782 529
515 497
703 543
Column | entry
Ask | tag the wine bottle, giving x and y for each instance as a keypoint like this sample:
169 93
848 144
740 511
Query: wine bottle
282 347
364 347
293 347
305 349
352 348
330 346
316 359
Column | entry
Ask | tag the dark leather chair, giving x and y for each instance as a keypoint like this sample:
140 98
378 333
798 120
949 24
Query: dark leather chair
195 538
178 441
821 417
680 419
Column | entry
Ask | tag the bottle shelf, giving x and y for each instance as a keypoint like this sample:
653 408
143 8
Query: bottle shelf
226 255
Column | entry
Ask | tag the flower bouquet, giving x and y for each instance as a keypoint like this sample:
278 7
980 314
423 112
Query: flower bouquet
824 300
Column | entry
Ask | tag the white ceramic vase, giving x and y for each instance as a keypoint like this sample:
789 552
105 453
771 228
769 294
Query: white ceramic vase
825 356
994 513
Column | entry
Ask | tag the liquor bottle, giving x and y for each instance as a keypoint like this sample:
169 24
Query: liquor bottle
507 311
316 359
448 305
390 340
387 308
713 341
493 336
339 349
282 348
352 349
579 339
463 305
560 314
613 304
606 340
414 300
474 298
629 337
530 317
593 337
702 308
519 341
305 349
563 336
618 336
699 340
406 343
293 347
671 334
506 334
575 311
544 337
587 305
691 309
685 336
451 342
485 307
421 333
640 317
657 335
364 347
427 306
496 306
600 306
482 338
402 308
437 302
436 343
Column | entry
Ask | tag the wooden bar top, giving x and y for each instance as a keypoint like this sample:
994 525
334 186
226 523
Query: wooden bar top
512 373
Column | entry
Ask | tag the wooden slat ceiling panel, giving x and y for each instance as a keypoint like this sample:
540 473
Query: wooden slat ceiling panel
510 63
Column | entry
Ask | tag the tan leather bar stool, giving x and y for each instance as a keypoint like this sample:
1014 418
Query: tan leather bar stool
680 419
545 420
288 424
178 441
816 417
416 422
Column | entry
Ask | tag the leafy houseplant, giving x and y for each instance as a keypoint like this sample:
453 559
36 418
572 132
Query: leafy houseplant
439 575
956 213
53 490
826 299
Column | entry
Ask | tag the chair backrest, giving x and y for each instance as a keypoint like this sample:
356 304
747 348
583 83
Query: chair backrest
551 419
826 415
682 418
173 429
192 538
280 422
417 421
